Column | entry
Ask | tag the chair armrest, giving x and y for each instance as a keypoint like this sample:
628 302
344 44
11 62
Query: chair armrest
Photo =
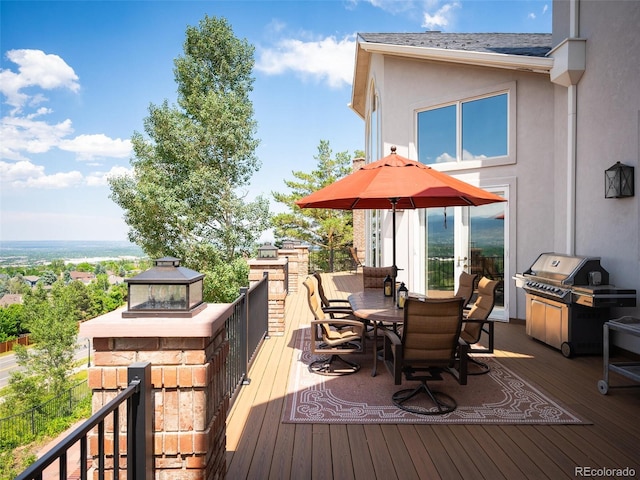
338 300
340 322
337 309
393 354
393 337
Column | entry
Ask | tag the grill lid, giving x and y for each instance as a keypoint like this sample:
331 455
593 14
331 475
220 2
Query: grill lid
568 270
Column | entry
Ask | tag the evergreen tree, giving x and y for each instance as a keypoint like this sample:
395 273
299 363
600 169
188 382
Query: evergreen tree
328 229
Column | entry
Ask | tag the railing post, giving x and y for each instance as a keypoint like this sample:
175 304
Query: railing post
244 322
139 426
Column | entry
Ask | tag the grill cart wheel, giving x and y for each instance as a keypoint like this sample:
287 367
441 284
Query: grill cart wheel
603 388
567 349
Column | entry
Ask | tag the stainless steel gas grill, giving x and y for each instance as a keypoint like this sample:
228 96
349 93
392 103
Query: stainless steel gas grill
568 300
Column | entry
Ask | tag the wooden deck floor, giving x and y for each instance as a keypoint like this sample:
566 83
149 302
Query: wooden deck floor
259 446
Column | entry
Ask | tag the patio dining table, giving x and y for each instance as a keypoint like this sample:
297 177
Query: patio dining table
372 306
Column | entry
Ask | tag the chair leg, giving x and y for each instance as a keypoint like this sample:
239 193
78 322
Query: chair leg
484 368
441 402
330 366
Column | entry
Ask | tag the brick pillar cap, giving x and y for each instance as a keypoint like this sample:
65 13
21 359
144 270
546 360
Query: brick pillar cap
113 325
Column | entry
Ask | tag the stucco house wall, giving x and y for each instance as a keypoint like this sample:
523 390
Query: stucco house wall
405 85
538 180
608 118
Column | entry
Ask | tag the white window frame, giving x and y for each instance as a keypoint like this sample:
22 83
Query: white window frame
426 104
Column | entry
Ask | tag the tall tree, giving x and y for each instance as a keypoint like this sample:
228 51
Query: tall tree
52 319
182 199
325 228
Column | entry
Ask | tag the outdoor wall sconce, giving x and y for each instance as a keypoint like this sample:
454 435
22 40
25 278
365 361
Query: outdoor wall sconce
618 181
267 251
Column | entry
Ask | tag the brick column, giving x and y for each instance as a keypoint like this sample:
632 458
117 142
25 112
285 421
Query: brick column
188 373
277 268
358 220
298 269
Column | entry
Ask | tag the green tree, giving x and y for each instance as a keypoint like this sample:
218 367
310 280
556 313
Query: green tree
51 318
325 228
48 277
182 199
17 284
10 321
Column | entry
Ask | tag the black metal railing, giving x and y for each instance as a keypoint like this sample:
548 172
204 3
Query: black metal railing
23 427
246 328
323 260
138 399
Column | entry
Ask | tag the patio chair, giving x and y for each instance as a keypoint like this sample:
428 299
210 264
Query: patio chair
476 322
354 256
466 286
335 307
332 337
430 345
373 277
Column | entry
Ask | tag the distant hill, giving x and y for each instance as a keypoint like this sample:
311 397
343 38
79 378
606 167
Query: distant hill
487 234
76 251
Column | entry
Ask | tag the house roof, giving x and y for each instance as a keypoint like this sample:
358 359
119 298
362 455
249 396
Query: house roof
529 44
9 299
519 51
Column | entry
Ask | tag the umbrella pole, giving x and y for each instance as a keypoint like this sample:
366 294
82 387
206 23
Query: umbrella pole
394 201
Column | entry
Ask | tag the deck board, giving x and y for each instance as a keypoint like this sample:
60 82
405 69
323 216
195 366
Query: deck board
260 446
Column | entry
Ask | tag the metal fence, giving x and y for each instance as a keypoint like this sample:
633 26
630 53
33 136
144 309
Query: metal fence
323 260
137 397
23 427
246 328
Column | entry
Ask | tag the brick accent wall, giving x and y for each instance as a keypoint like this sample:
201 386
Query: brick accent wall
298 269
189 397
358 220
277 289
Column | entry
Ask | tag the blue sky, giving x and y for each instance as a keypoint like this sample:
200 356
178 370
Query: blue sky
77 77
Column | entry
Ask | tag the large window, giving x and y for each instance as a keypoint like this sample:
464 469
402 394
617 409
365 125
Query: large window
467 130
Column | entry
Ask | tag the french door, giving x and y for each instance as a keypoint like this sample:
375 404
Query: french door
470 239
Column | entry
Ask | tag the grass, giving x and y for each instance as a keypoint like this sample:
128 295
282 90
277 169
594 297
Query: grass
15 460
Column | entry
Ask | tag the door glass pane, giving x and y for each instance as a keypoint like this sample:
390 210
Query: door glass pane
440 244
486 244
437 135
484 128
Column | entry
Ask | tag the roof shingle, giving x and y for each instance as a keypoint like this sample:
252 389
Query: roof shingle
527 44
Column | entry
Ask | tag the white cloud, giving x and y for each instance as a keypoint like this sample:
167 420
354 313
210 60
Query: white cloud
532 16
328 59
24 134
25 174
394 6
442 17
35 69
545 8
99 179
88 147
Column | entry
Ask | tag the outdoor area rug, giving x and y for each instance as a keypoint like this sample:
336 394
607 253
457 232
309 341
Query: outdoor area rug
499 397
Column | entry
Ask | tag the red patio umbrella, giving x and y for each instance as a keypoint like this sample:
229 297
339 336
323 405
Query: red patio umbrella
397 182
